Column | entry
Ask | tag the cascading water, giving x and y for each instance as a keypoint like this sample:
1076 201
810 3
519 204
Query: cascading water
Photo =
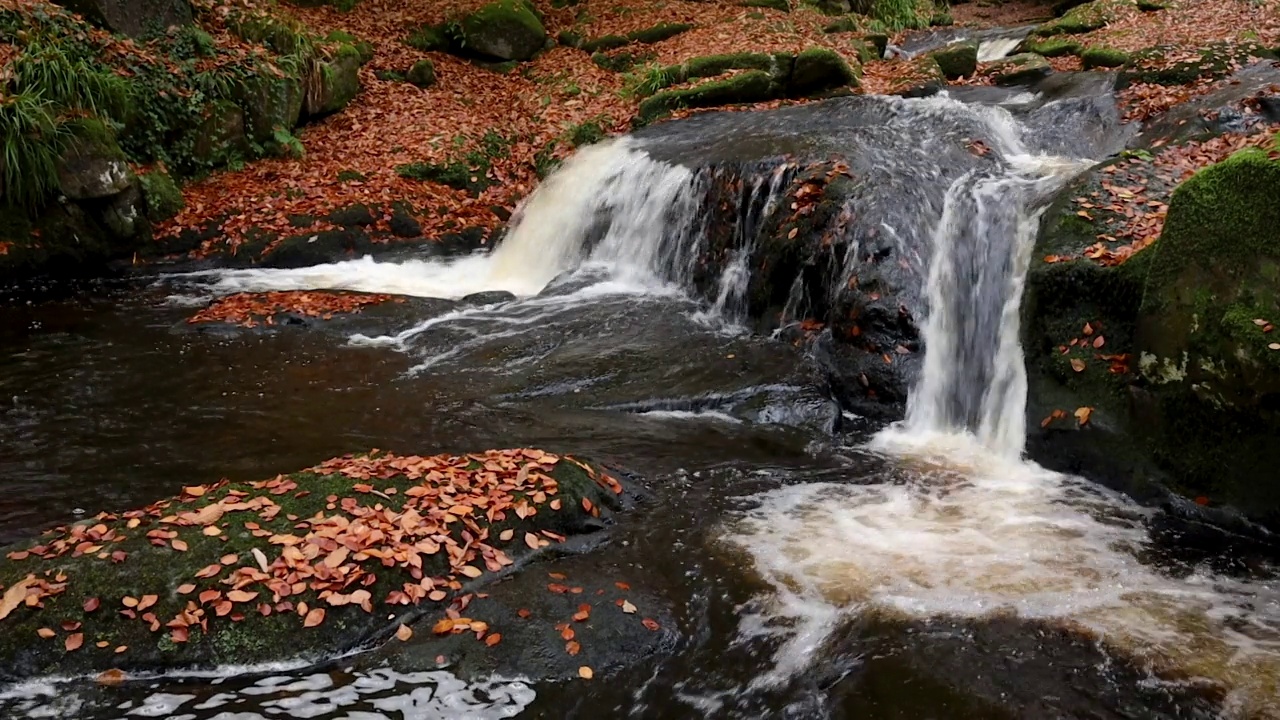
962 527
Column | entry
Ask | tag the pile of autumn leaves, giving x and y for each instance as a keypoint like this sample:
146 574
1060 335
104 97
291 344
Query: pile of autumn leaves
252 309
331 557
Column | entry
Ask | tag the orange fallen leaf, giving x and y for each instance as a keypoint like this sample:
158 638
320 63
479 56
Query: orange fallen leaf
186 589
313 618
111 677
404 632
524 612
74 641
531 540
1083 414
493 639
179 545
91 604
1077 364
628 608
650 623
15 596
572 647
585 672
46 633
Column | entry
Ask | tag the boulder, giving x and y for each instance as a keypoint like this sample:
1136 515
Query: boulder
1207 349
220 137
1085 18
506 29
819 70
125 216
1020 69
270 103
133 17
1103 57
422 74
750 86
93 165
162 195
957 60
301 566
335 86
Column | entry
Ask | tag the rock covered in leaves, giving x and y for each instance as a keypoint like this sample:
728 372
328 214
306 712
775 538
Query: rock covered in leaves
303 565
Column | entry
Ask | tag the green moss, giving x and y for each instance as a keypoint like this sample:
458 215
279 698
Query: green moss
1215 60
586 133
505 29
364 50
454 174
1103 57
957 60
750 86
422 74
818 70
1151 5
429 38
161 193
1084 18
657 33
1053 47
846 23
622 61
779 5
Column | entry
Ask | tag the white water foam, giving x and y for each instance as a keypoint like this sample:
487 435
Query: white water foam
997 48
648 206
426 695
966 528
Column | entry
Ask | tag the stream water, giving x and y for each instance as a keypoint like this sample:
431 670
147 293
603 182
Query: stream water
925 570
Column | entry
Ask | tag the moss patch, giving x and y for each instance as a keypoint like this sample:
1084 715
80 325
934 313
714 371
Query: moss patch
1103 57
1085 18
750 86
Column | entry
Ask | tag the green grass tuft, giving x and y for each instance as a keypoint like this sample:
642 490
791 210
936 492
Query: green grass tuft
32 139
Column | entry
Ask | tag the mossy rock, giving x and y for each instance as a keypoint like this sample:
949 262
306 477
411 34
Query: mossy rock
270 103
429 38
1103 57
712 65
337 83
1085 18
1152 5
422 74
779 5
957 60
134 18
829 7
506 29
364 48
1214 61
162 195
93 165
923 77
456 175
220 136
1052 47
1213 370
647 36
1020 69
748 87
846 23
818 70
345 553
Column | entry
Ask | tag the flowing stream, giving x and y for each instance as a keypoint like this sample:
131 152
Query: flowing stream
924 571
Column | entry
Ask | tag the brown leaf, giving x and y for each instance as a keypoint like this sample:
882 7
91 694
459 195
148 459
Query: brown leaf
404 632
493 639
572 647
15 595
1077 364
1083 414
186 588
243 596
531 540
91 604
179 545
585 673
524 613
471 571
650 623
111 677
313 618
74 641
1099 341
146 602
628 608
46 633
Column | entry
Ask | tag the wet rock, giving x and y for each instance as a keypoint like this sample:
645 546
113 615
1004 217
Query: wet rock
1221 110
957 60
178 584
750 86
1084 18
1211 367
490 297
422 74
1021 69
315 248
923 78
818 70
506 29
357 215
403 224
133 17
93 165
162 195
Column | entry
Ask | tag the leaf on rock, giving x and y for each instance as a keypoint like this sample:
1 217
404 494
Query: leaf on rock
1077 364
313 618
91 604
15 595
493 639
585 673
628 608
572 647
46 633
650 623
1083 414
404 632
74 641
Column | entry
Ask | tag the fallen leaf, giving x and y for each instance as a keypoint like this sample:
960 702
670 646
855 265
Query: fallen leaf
649 623
1077 364
493 639
46 633
572 647
15 595
628 608
313 618
585 673
91 604
186 589
404 632
524 612
179 545
74 641
531 540
111 677
1083 414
